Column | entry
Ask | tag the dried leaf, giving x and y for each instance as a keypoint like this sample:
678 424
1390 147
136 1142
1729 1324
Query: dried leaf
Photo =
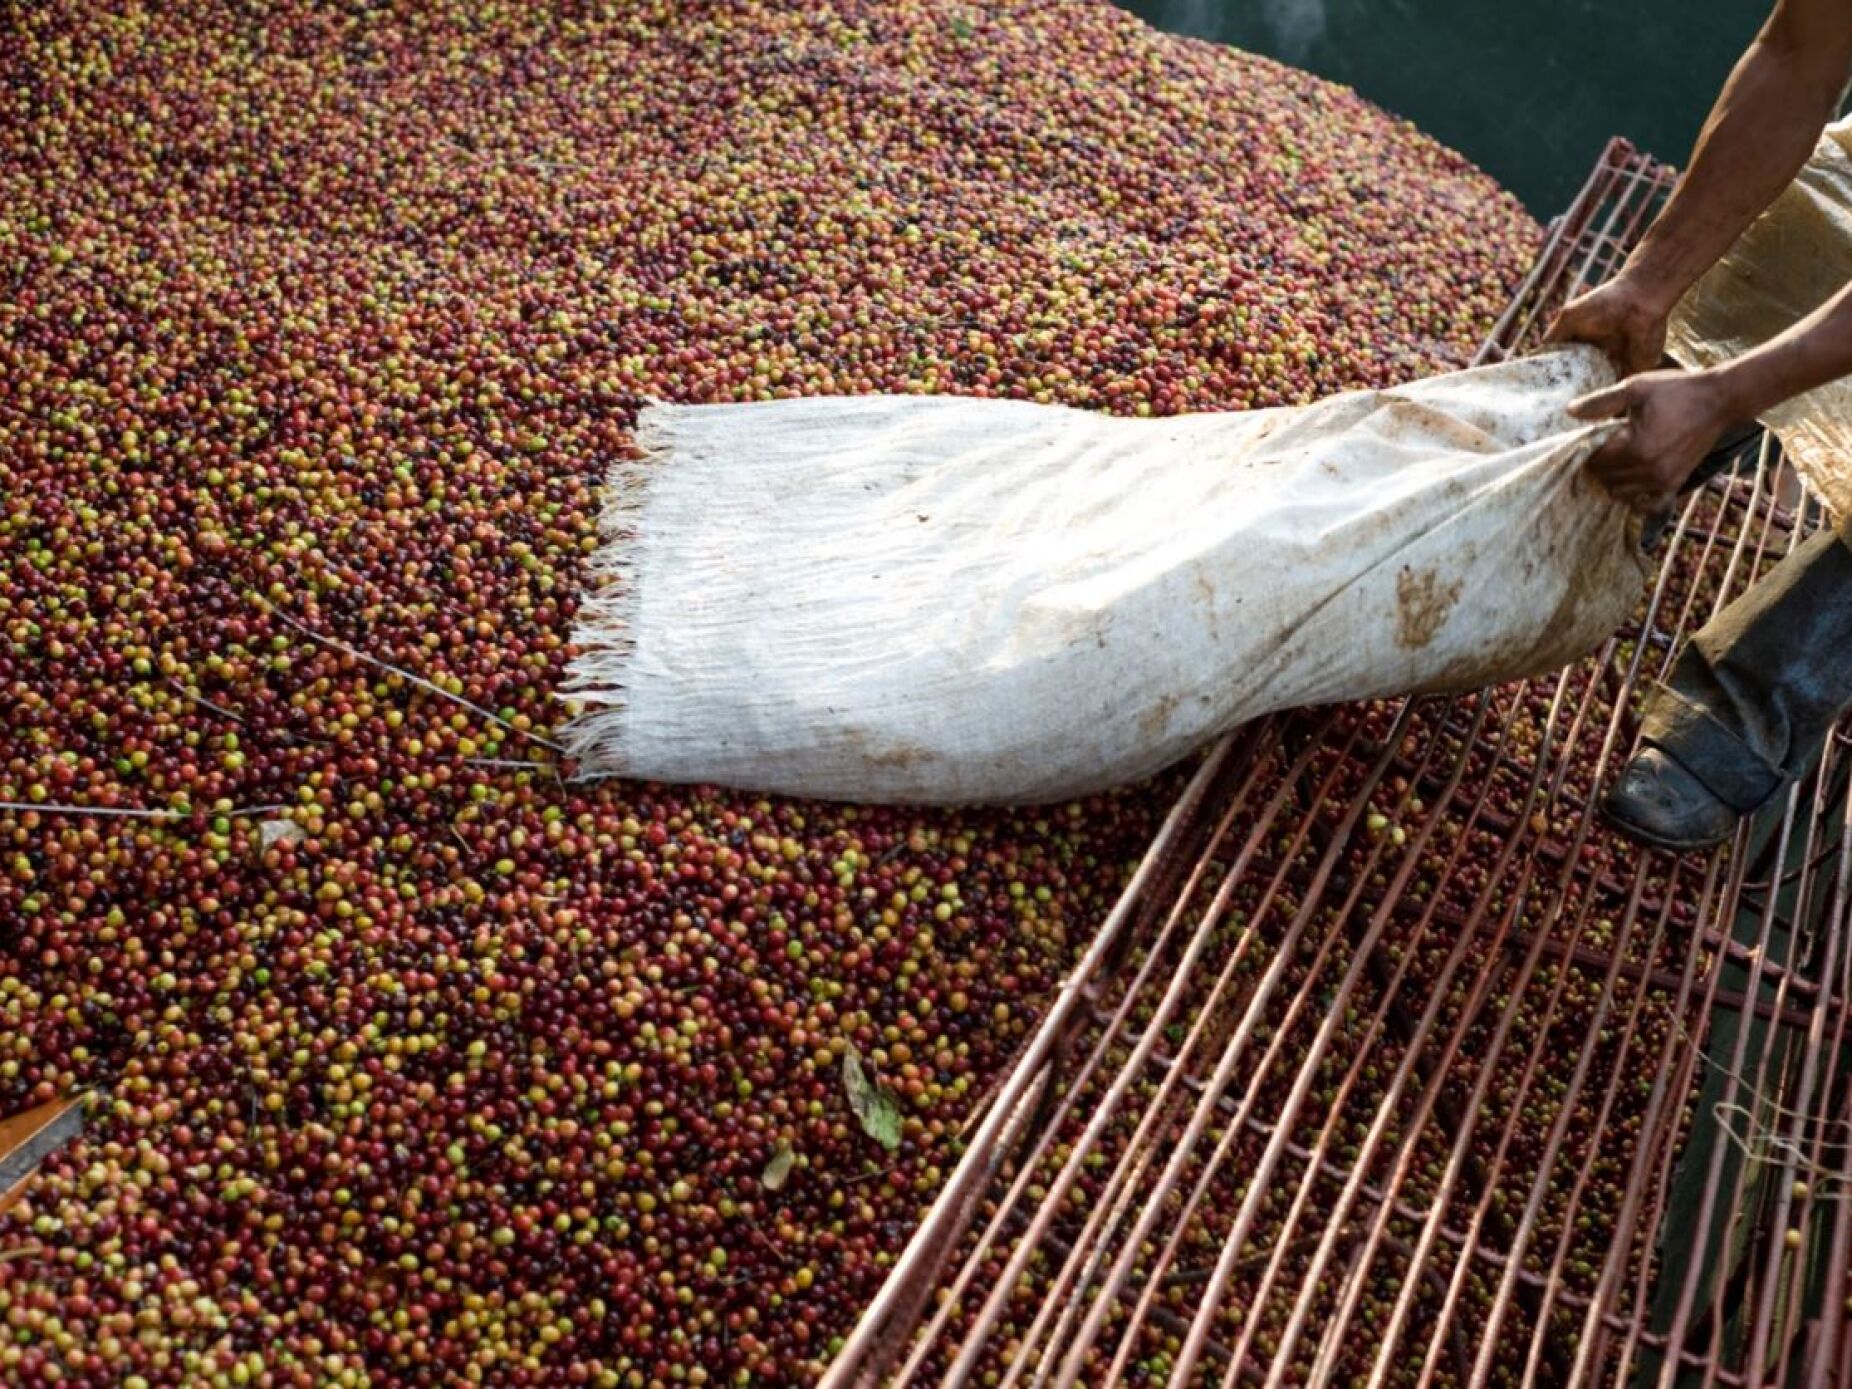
874 1105
778 1170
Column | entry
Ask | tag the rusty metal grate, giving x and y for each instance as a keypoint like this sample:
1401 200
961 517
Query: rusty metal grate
1394 1067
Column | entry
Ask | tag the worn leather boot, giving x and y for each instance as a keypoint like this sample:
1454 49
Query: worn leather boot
1748 706
1657 802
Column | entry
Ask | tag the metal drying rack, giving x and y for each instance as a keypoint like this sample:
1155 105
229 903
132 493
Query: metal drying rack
1393 1066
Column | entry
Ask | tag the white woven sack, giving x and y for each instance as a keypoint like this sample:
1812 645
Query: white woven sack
934 599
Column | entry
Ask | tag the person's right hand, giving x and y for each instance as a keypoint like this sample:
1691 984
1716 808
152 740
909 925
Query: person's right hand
1672 419
1619 319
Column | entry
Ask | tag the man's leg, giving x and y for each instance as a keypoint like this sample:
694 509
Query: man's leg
1748 705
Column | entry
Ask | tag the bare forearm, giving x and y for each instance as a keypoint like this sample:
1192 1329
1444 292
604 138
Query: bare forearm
1814 351
1760 132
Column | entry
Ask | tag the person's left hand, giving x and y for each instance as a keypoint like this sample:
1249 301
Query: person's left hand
1672 420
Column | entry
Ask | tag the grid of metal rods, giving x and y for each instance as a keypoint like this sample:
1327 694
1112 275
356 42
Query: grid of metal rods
1395 1066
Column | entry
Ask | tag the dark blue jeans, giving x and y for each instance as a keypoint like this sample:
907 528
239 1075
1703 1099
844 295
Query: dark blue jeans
1756 690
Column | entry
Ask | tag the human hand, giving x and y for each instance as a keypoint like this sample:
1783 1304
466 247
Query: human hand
1620 319
1672 420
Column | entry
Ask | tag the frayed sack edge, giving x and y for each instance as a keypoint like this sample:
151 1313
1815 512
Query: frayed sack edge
597 681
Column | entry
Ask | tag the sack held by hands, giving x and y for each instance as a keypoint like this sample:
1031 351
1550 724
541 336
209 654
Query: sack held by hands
939 599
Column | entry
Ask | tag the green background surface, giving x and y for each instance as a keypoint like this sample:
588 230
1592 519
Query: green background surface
1528 89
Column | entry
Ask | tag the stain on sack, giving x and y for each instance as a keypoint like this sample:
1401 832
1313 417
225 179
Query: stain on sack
1411 421
879 750
1155 721
1206 596
900 759
1564 637
1422 603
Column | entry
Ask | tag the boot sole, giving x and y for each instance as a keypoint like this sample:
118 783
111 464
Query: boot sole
1640 835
